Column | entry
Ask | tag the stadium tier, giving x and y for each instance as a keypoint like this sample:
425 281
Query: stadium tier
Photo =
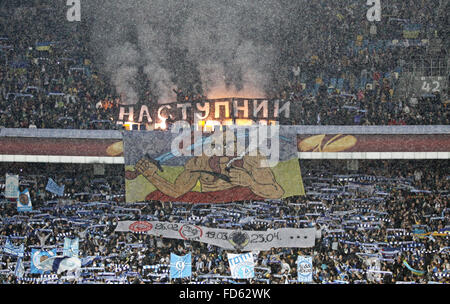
312 142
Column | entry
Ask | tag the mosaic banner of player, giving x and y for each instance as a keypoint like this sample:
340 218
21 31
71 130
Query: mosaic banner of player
152 172
24 202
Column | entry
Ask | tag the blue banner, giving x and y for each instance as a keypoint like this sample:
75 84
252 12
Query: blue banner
54 188
180 266
412 27
9 248
39 256
19 271
242 266
19 64
304 269
24 202
12 186
71 247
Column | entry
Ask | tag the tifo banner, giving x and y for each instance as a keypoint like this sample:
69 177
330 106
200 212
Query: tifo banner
153 172
374 143
180 266
9 248
38 257
71 247
225 238
54 188
304 269
242 266
24 202
12 186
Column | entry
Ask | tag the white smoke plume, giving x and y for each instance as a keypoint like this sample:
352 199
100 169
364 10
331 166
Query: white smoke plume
124 71
231 44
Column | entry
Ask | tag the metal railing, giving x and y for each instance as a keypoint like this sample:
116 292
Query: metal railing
428 66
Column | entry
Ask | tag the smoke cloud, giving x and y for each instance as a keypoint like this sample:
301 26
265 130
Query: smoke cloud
226 47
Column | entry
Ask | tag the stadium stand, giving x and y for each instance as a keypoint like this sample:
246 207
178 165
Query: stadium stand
375 221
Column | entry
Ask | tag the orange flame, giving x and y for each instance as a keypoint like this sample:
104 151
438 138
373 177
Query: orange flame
162 125
222 92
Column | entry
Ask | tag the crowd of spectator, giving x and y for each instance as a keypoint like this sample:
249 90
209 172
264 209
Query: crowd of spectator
342 68
368 222
46 76
353 79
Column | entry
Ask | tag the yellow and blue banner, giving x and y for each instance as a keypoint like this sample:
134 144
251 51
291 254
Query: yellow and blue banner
43 46
416 272
411 31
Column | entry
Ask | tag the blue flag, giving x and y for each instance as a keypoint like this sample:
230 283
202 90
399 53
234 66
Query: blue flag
38 257
19 271
54 188
43 46
70 247
180 266
9 248
304 269
24 202
12 186
242 266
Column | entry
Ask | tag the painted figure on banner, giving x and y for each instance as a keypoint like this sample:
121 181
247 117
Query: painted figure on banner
154 174
245 179
224 177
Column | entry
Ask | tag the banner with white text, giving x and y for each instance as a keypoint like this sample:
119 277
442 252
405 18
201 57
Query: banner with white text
225 238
